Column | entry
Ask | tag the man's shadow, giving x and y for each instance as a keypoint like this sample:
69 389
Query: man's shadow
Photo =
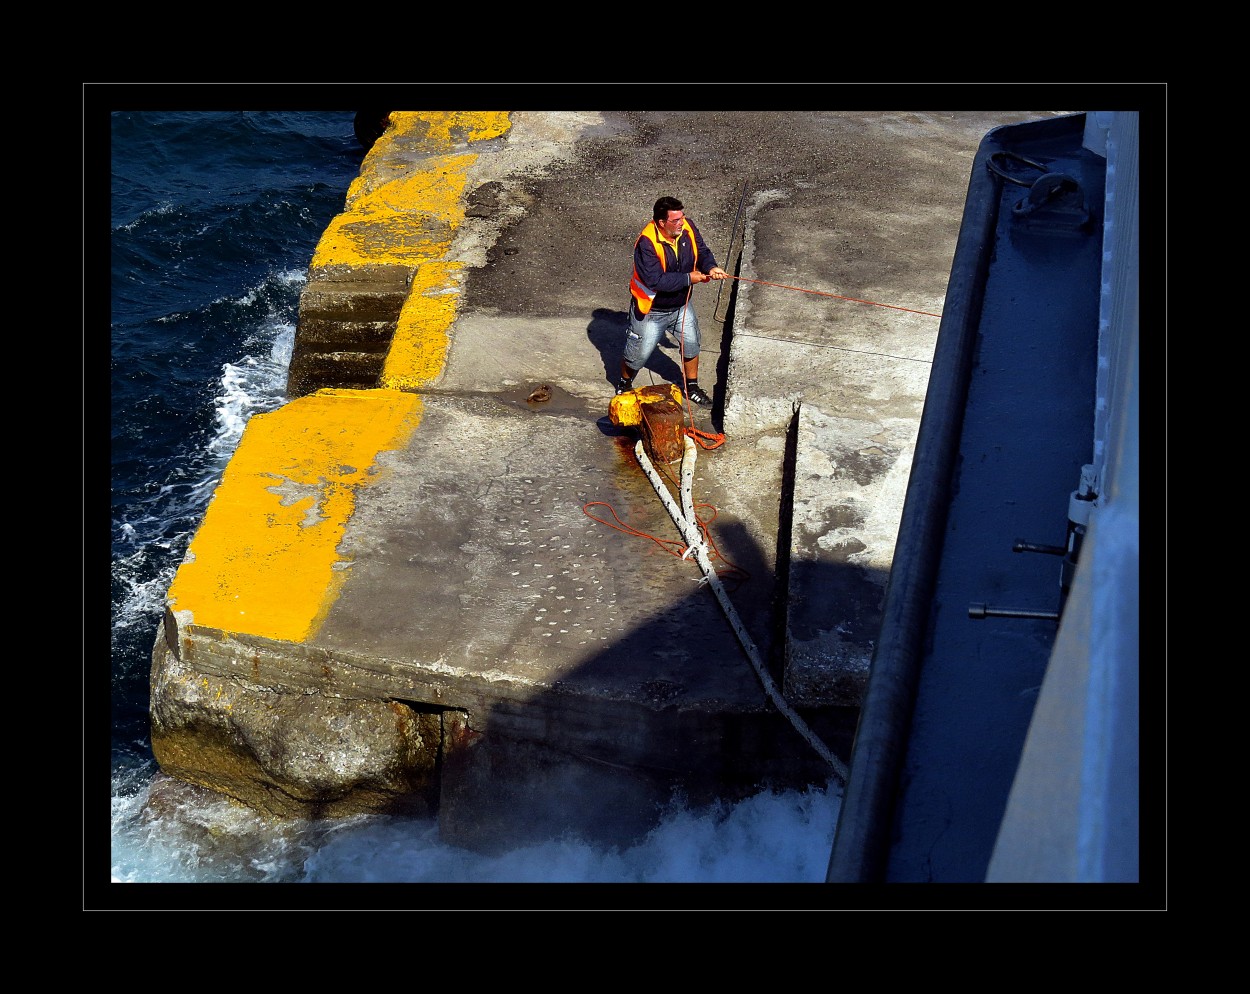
606 332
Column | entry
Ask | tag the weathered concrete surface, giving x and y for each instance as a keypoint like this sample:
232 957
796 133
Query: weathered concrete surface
504 565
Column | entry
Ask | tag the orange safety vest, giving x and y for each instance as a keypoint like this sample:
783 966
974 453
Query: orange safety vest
643 294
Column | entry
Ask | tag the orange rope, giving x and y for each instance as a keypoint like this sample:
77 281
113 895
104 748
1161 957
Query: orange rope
671 546
819 293
731 572
708 440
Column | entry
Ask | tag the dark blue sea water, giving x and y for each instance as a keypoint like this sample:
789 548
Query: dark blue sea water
214 219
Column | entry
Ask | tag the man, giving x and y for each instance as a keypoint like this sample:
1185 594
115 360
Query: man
670 256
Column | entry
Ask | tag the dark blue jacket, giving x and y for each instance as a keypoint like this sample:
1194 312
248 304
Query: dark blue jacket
661 278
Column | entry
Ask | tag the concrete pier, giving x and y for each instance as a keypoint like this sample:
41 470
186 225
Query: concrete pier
420 588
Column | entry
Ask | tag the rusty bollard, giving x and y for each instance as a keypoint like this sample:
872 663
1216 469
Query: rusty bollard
662 431
657 412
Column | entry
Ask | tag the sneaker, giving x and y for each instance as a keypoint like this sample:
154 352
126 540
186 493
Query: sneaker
623 385
696 394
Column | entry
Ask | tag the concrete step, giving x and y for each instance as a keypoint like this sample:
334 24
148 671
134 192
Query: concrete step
313 371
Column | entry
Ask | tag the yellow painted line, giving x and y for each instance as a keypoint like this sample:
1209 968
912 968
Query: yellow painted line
418 350
403 216
404 221
264 560
445 127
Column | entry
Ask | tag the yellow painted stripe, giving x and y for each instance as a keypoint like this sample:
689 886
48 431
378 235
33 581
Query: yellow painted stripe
407 217
404 221
418 350
446 127
265 561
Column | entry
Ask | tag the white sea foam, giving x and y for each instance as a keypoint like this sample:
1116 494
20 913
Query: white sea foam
201 837
254 384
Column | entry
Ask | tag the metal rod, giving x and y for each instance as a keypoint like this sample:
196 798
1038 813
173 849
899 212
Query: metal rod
1021 545
733 233
985 611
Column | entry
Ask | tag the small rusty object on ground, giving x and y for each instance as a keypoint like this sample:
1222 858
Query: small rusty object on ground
662 431
539 396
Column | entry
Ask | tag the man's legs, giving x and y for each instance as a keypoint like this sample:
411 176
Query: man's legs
644 334
641 338
690 345
691 342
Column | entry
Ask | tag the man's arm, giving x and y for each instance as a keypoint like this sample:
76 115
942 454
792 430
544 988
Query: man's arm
707 261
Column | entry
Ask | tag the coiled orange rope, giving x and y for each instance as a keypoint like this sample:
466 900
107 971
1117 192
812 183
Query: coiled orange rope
730 573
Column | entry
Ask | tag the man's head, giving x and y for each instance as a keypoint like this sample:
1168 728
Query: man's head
669 214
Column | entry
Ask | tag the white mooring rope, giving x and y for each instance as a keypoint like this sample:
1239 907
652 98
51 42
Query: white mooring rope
688 525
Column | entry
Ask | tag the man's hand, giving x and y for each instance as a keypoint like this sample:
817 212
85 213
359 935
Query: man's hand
717 273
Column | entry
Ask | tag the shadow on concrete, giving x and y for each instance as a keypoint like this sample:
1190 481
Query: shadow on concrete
674 713
606 332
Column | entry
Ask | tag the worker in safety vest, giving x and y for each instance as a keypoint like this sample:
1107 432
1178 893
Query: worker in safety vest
670 256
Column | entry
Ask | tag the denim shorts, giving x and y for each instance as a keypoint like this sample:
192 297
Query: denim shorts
643 335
